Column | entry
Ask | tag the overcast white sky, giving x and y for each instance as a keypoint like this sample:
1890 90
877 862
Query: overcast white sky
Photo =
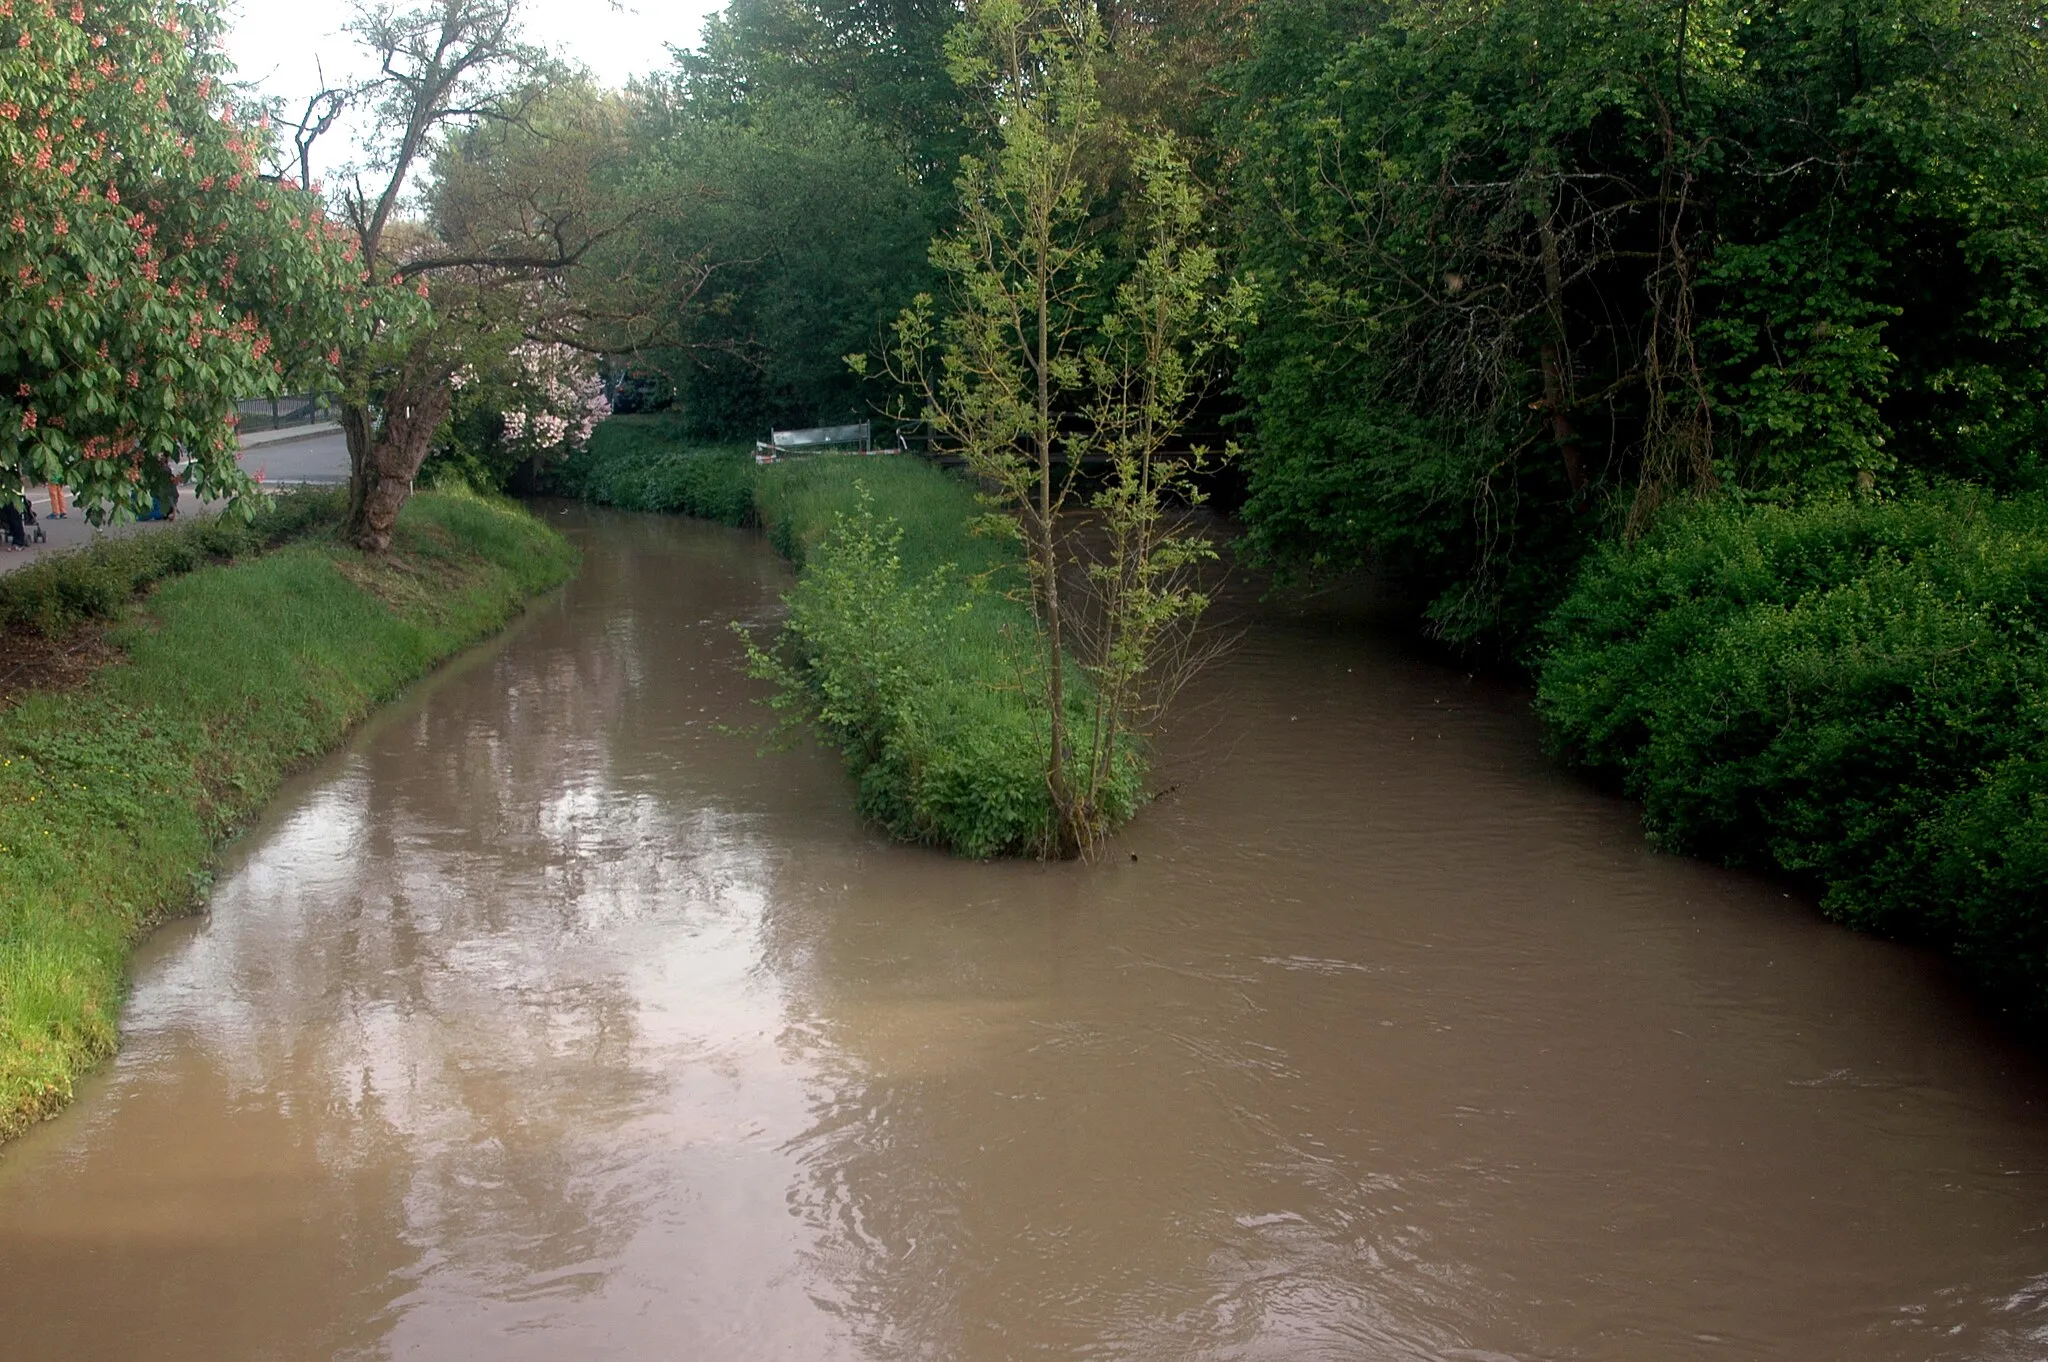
275 43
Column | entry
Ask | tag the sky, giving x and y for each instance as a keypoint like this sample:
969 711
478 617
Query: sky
283 45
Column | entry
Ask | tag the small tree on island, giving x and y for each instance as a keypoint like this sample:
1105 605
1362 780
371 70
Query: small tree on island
149 276
1030 369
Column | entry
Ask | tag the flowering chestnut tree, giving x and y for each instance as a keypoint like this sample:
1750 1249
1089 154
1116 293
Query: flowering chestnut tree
149 276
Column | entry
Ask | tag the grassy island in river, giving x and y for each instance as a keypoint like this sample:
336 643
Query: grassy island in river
906 640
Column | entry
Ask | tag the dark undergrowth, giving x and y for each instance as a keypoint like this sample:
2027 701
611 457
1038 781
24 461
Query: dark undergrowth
644 463
116 792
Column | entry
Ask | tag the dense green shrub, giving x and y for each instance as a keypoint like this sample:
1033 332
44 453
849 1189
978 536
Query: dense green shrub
906 643
1854 692
66 589
646 463
1989 887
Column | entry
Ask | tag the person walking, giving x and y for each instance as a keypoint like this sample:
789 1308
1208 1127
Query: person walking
11 527
60 504
162 482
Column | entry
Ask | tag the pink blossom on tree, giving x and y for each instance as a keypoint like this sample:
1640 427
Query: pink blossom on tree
557 400
148 275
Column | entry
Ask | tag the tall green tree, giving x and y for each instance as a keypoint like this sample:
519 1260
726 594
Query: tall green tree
441 66
1540 265
1032 364
882 61
801 231
149 276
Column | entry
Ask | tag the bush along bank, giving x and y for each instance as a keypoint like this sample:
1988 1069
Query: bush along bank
56 594
115 793
905 643
1854 692
644 463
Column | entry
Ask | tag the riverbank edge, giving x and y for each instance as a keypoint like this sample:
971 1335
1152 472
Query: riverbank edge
903 642
1849 693
118 793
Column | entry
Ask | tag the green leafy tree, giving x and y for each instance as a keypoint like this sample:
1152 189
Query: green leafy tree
442 66
536 282
149 276
1028 372
1541 265
773 238
793 104
881 61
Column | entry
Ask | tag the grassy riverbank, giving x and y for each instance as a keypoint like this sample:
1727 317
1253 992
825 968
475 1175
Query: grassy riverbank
642 463
1853 693
116 791
904 641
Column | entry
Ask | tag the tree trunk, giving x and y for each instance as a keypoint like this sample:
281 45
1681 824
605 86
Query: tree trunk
359 428
1071 831
414 409
1555 353
1561 429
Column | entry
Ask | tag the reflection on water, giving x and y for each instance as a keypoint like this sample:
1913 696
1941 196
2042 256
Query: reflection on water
549 1020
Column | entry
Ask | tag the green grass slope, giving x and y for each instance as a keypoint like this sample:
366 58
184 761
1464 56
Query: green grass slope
114 795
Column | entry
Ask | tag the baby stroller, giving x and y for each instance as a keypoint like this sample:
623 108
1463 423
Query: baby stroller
15 518
31 525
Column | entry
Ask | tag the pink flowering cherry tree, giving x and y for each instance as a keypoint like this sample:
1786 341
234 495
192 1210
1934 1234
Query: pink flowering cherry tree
557 399
524 408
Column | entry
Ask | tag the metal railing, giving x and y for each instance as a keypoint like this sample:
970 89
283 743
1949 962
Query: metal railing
292 409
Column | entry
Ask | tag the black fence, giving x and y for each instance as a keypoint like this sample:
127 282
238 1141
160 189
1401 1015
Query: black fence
277 413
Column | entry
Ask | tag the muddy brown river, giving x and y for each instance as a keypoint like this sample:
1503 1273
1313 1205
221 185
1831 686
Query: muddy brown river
548 1020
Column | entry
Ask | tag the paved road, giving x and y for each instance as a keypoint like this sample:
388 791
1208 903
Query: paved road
321 458
282 457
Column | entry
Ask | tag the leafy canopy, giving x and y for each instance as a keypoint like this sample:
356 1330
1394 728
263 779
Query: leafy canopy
149 276
1539 265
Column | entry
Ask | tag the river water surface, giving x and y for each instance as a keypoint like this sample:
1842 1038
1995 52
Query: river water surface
548 1020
